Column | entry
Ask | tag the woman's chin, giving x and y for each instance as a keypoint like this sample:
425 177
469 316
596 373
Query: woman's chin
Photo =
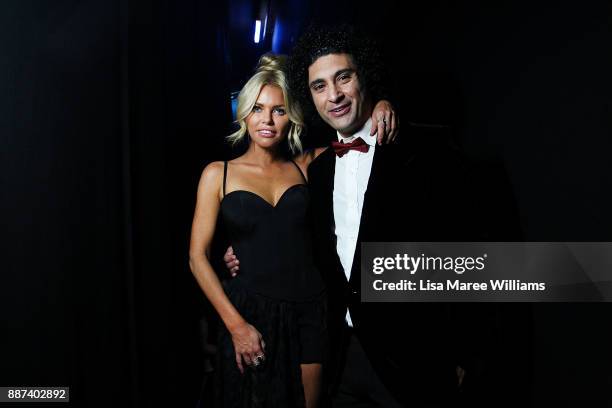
267 143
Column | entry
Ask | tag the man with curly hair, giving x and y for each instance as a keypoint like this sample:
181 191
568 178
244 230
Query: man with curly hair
383 355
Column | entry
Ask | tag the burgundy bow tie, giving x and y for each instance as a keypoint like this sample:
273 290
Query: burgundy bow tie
342 148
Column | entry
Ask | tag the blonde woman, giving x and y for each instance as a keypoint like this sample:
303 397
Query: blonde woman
273 339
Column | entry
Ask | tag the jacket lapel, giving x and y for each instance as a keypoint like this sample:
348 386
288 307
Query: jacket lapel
327 186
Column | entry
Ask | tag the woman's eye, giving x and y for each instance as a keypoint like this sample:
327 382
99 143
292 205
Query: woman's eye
256 109
280 111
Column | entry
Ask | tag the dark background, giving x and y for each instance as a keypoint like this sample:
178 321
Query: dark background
110 109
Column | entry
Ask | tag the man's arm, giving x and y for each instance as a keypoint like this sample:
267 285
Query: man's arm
385 123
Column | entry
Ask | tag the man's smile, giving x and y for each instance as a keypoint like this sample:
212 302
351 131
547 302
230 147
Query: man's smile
340 110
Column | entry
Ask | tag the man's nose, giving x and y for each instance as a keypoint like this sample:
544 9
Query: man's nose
335 95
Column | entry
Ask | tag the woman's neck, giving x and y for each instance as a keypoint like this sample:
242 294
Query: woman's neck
261 156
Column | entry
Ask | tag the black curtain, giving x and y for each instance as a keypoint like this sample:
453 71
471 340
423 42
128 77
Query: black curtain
109 111
66 282
108 117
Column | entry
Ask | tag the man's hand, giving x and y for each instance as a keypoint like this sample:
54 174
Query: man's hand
385 122
231 262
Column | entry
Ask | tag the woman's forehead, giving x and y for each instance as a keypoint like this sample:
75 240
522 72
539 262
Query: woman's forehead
271 95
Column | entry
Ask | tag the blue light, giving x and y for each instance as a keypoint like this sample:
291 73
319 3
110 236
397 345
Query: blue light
234 102
277 38
257 31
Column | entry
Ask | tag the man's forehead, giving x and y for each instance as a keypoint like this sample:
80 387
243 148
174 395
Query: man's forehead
329 64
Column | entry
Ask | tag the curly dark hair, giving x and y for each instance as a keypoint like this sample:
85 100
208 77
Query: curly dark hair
320 40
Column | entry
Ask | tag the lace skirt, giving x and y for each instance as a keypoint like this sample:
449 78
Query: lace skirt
294 333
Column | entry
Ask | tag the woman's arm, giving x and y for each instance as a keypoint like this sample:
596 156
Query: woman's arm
248 343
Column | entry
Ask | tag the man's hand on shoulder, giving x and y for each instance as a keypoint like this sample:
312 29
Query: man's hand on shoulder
385 122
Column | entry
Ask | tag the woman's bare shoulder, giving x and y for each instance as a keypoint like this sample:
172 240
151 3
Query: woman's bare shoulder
309 155
319 150
213 169
212 176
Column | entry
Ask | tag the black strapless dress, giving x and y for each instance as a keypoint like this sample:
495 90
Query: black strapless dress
279 291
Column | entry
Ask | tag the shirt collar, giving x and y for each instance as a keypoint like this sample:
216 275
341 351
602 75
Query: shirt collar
363 133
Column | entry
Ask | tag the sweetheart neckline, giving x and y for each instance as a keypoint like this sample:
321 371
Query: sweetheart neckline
263 199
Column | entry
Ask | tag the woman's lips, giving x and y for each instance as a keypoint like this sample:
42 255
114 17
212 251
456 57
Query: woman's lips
266 133
340 111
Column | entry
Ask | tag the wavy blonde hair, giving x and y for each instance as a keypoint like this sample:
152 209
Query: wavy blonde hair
270 71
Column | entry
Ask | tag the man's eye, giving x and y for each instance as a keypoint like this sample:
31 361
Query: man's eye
344 77
317 87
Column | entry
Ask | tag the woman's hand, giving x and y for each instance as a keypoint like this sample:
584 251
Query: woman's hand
385 123
248 345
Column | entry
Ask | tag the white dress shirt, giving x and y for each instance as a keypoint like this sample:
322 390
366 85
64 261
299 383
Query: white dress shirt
350 184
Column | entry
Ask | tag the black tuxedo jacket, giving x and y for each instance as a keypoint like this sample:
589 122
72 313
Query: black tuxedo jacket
414 193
